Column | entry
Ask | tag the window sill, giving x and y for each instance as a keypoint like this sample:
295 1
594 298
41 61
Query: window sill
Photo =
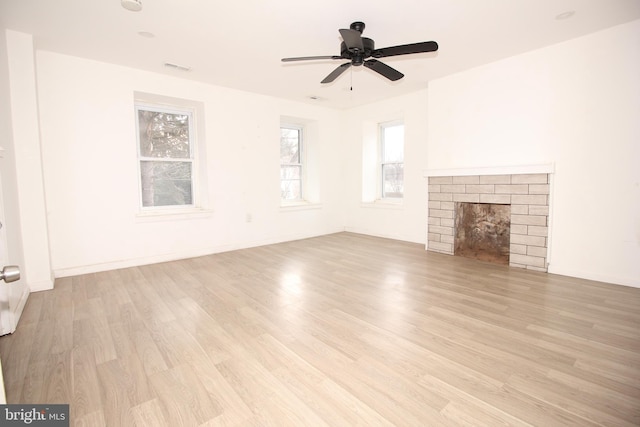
173 214
384 204
299 206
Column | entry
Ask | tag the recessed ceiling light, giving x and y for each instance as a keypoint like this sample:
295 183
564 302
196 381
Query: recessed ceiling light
132 5
315 98
146 34
565 15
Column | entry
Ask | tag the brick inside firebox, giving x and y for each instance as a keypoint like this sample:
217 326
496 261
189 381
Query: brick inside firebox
482 231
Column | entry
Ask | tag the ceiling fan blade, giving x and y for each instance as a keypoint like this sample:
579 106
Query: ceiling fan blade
405 49
352 38
308 58
383 69
335 73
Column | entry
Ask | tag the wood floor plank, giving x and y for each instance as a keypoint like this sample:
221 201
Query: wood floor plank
347 409
622 405
578 402
130 336
96 333
31 386
85 385
463 412
183 398
18 350
57 383
149 413
234 410
93 419
338 330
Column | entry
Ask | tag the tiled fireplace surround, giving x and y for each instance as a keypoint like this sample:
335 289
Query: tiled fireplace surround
528 195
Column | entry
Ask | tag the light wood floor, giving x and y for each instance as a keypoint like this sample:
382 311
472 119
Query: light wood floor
339 330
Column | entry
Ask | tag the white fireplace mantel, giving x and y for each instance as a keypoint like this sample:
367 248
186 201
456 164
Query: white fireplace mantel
497 170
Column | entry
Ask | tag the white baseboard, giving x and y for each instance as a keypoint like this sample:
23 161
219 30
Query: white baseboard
134 262
385 236
43 285
631 282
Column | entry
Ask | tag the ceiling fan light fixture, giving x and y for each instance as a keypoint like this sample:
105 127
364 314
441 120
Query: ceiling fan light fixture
132 5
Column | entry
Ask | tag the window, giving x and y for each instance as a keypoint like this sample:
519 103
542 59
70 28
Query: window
291 164
392 160
166 144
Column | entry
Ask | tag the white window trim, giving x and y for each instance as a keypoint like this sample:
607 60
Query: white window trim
299 206
190 159
195 109
384 204
302 201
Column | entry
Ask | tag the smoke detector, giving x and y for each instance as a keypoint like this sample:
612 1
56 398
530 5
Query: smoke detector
132 5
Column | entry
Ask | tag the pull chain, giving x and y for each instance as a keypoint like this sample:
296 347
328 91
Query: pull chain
351 76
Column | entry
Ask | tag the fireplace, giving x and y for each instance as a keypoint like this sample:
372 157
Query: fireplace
525 194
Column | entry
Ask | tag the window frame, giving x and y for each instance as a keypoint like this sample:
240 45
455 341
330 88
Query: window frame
381 159
301 162
192 159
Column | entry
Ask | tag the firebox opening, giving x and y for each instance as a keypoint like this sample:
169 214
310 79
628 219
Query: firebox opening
482 231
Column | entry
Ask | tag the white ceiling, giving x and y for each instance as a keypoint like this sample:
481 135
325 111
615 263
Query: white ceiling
240 44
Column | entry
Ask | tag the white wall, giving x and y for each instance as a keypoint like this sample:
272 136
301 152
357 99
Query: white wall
576 104
406 221
90 169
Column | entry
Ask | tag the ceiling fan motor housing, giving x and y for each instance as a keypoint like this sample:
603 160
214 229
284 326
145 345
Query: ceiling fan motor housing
357 56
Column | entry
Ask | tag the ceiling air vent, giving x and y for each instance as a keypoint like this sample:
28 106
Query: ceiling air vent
177 67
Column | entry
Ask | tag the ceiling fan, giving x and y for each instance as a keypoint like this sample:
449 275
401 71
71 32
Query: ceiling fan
357 49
